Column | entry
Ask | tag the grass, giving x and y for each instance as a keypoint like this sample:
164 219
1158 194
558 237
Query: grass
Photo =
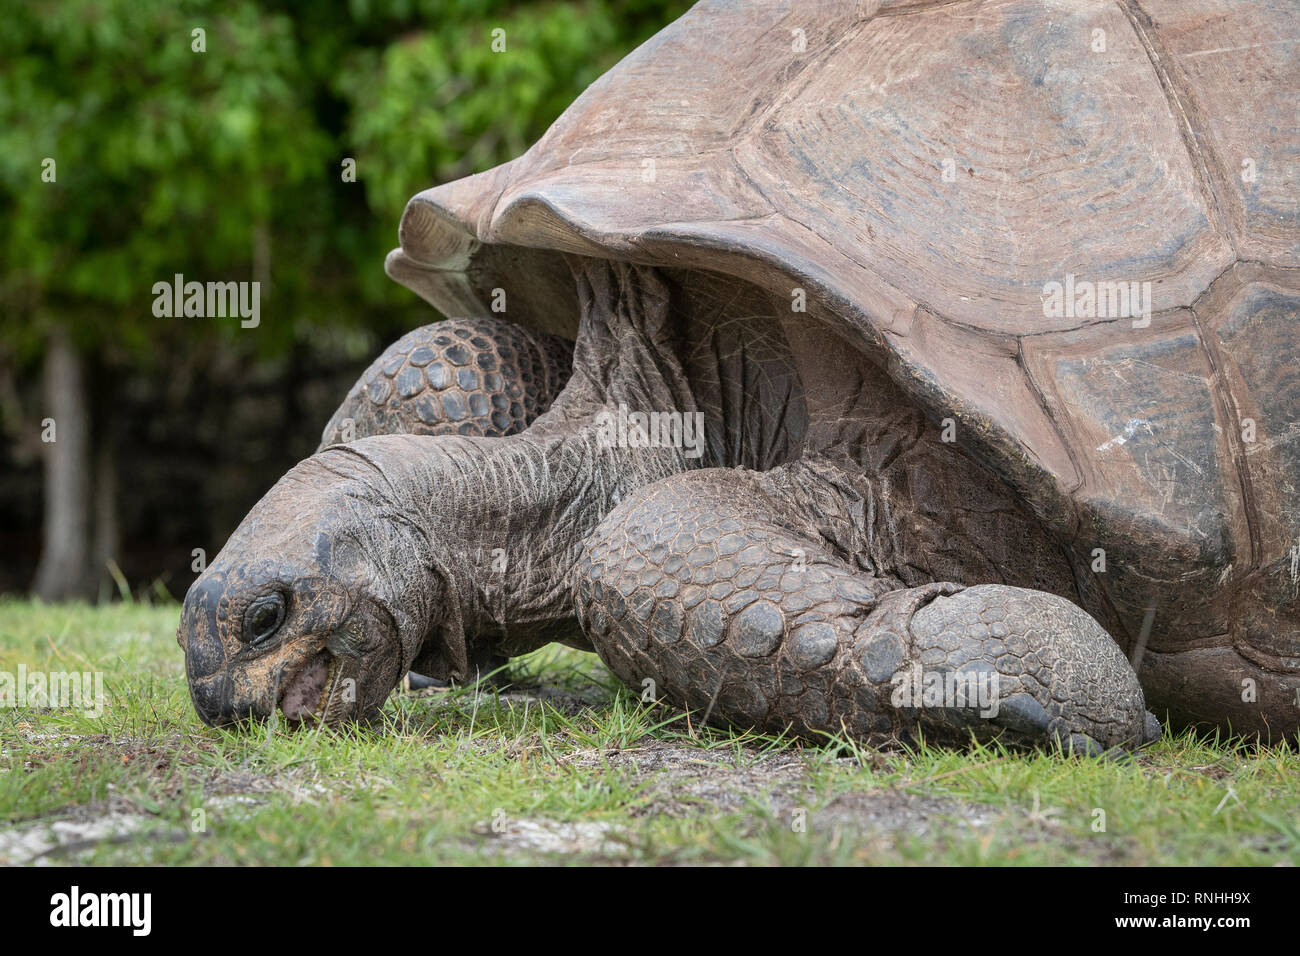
578 772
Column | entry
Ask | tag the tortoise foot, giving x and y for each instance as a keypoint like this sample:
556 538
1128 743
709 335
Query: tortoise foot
1042 670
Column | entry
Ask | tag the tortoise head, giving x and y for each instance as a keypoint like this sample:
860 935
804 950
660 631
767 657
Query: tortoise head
317 604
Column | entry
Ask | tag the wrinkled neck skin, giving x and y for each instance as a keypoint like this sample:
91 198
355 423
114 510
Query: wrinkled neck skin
498 522
497 527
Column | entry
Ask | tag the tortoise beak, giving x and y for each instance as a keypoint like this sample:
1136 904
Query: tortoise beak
213 702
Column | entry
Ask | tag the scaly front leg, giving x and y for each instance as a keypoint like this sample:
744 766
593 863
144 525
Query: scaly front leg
730 602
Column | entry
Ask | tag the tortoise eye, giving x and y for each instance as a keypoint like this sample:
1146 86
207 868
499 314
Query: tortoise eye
263 618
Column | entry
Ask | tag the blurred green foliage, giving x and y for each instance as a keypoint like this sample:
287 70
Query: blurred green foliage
172 161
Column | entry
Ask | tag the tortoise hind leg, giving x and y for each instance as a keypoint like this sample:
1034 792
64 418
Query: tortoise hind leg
478 376
719 594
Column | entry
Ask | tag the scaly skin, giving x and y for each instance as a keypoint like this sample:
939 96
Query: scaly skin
705 585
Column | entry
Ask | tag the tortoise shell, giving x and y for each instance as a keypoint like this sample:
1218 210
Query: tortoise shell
969 189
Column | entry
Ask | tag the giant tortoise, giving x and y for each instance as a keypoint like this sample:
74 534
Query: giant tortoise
890 369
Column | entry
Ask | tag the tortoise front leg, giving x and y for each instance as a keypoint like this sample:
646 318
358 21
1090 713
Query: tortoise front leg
457 377
730 603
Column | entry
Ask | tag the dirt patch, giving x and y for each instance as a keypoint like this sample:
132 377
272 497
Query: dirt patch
541 836
687 782
678 779
54 842
75 831
683 781
896 811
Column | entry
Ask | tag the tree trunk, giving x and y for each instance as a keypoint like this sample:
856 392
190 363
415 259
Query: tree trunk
64 570
108 534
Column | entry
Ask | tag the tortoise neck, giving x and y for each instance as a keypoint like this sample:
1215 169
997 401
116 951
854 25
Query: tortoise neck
503 519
